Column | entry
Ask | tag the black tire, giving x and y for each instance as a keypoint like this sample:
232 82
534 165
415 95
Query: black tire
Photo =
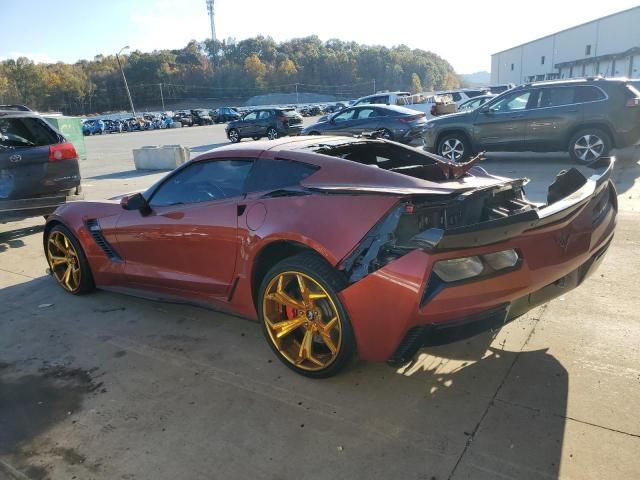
588 145
86 283
313 266
234 136
272 133
454 147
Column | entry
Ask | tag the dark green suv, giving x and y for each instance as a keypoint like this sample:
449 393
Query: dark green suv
586 117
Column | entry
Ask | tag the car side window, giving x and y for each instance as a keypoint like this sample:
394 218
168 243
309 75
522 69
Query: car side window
555 97
512 102
344 116
263 115
456 96
251 116
365 113
277 174
588 94
203 181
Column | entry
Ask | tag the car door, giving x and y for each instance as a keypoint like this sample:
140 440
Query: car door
342 123
501 124
366 119
248 126
265 119
188 243
554 112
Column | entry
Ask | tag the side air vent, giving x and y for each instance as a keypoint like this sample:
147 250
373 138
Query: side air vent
96 232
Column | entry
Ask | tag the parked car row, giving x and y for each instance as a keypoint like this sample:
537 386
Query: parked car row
584 117
153 121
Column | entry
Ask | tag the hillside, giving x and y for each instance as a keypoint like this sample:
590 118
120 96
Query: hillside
476 79
224 70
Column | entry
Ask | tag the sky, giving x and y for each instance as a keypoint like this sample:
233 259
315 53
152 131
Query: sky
465 33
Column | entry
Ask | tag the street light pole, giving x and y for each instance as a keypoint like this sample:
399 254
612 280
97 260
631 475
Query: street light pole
161 96
126 85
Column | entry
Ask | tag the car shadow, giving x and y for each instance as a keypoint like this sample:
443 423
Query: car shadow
126 174
480 405
627 168
13 238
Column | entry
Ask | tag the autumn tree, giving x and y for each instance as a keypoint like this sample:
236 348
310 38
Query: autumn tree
224 69
416 84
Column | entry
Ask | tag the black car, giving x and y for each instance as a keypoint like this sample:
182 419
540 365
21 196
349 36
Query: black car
268 122
392 122
201 117
224 114
184 118
38 167
586 117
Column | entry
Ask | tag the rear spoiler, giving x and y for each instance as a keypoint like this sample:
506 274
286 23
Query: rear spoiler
494 231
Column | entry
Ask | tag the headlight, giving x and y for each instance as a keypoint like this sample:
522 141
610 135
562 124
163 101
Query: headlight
458 268
500 260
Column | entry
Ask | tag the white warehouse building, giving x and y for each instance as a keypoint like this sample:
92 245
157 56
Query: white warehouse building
608 46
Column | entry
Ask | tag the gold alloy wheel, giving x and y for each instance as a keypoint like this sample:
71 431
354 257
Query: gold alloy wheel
63 261
302 321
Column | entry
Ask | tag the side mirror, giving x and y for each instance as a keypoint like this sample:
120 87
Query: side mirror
485 110
136 202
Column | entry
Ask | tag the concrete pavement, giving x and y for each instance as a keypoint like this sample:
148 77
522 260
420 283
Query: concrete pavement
112 387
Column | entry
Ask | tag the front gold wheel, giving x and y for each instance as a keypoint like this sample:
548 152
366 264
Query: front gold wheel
302 320
67 262
64 261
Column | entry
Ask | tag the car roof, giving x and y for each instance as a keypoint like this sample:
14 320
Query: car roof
393 108
574 81
337 172
18 114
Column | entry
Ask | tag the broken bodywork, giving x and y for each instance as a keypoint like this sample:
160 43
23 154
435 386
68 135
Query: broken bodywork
421 247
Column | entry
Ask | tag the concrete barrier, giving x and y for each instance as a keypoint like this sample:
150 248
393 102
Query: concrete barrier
164 157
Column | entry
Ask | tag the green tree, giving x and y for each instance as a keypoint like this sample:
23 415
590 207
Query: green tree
416 85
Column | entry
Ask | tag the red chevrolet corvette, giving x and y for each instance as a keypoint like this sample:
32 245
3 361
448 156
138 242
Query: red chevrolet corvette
340 245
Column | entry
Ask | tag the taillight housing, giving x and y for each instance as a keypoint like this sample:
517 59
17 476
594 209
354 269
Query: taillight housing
412 118
62 151
633 102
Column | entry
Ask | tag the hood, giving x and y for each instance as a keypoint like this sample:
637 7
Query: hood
452 117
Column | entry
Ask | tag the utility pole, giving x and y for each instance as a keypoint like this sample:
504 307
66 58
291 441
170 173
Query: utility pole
161 96
126 86
211 12
297 99
374 85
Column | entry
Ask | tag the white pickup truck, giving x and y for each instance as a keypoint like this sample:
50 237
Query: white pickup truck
422 102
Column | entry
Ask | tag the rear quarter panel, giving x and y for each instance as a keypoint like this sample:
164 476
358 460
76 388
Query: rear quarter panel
332 225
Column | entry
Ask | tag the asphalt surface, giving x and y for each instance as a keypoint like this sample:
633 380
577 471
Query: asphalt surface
112 387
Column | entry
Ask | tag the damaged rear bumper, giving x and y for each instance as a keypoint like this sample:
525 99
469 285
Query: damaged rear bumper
404 305
492 319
